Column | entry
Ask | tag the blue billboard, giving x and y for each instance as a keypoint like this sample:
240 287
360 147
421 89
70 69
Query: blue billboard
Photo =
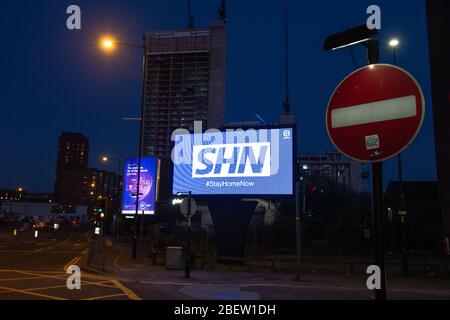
147 186
235 162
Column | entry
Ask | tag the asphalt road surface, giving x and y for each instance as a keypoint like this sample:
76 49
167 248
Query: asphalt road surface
36 268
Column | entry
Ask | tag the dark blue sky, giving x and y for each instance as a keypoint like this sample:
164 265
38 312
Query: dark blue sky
53 79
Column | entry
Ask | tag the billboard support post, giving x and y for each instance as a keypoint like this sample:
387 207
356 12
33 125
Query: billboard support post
297 228
187 262
141 229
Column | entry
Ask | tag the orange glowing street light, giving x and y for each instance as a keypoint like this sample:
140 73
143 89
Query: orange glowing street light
107 43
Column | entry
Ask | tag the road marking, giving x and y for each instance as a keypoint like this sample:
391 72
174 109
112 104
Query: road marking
116 260
76 259
32 293
108 296
106 282
128 292
83 284
19 279
33 251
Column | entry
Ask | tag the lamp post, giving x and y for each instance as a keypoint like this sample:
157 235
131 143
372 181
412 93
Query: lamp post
394 43
119 168
109 44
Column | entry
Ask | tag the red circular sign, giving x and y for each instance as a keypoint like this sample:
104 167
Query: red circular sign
375 113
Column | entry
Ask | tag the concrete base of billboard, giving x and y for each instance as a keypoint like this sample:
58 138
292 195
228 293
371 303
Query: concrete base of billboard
231 218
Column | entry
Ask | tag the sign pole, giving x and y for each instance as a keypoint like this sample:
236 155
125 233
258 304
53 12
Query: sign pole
377 226
373 53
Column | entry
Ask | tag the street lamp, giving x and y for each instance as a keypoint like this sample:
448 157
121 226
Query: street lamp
108 44
393 43
106 159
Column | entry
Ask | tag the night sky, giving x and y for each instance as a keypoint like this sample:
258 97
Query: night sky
53 79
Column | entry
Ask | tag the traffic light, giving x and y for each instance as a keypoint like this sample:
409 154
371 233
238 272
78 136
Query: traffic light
101 214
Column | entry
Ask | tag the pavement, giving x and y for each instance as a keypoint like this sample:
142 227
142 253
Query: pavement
150 282
37 269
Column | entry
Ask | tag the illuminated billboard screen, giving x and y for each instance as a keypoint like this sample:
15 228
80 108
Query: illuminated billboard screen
235 162
147 186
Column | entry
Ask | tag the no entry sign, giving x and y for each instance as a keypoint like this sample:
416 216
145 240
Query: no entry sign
375 113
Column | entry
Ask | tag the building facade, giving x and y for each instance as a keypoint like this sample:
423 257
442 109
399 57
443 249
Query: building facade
86 186
184 82
335 167
73 153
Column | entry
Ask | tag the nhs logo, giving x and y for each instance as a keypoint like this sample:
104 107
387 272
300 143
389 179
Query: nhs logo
231 160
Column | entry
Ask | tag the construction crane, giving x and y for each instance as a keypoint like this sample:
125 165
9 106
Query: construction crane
286 105
222 12
190 17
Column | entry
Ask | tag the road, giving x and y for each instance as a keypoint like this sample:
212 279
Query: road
35 268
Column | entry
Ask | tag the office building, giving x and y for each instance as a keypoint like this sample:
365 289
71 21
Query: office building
184 82
85 186
73 152
337 168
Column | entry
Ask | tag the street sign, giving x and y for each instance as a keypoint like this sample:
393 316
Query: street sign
375 113
184 205
402 213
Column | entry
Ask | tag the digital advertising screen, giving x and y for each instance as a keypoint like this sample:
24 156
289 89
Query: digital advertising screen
147 186
235 162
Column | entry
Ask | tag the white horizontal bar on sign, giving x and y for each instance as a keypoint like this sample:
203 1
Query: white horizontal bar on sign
384 110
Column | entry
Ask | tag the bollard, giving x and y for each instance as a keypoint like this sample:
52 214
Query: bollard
15 232
36 233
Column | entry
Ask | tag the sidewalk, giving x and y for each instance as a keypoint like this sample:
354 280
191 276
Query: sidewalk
145 279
